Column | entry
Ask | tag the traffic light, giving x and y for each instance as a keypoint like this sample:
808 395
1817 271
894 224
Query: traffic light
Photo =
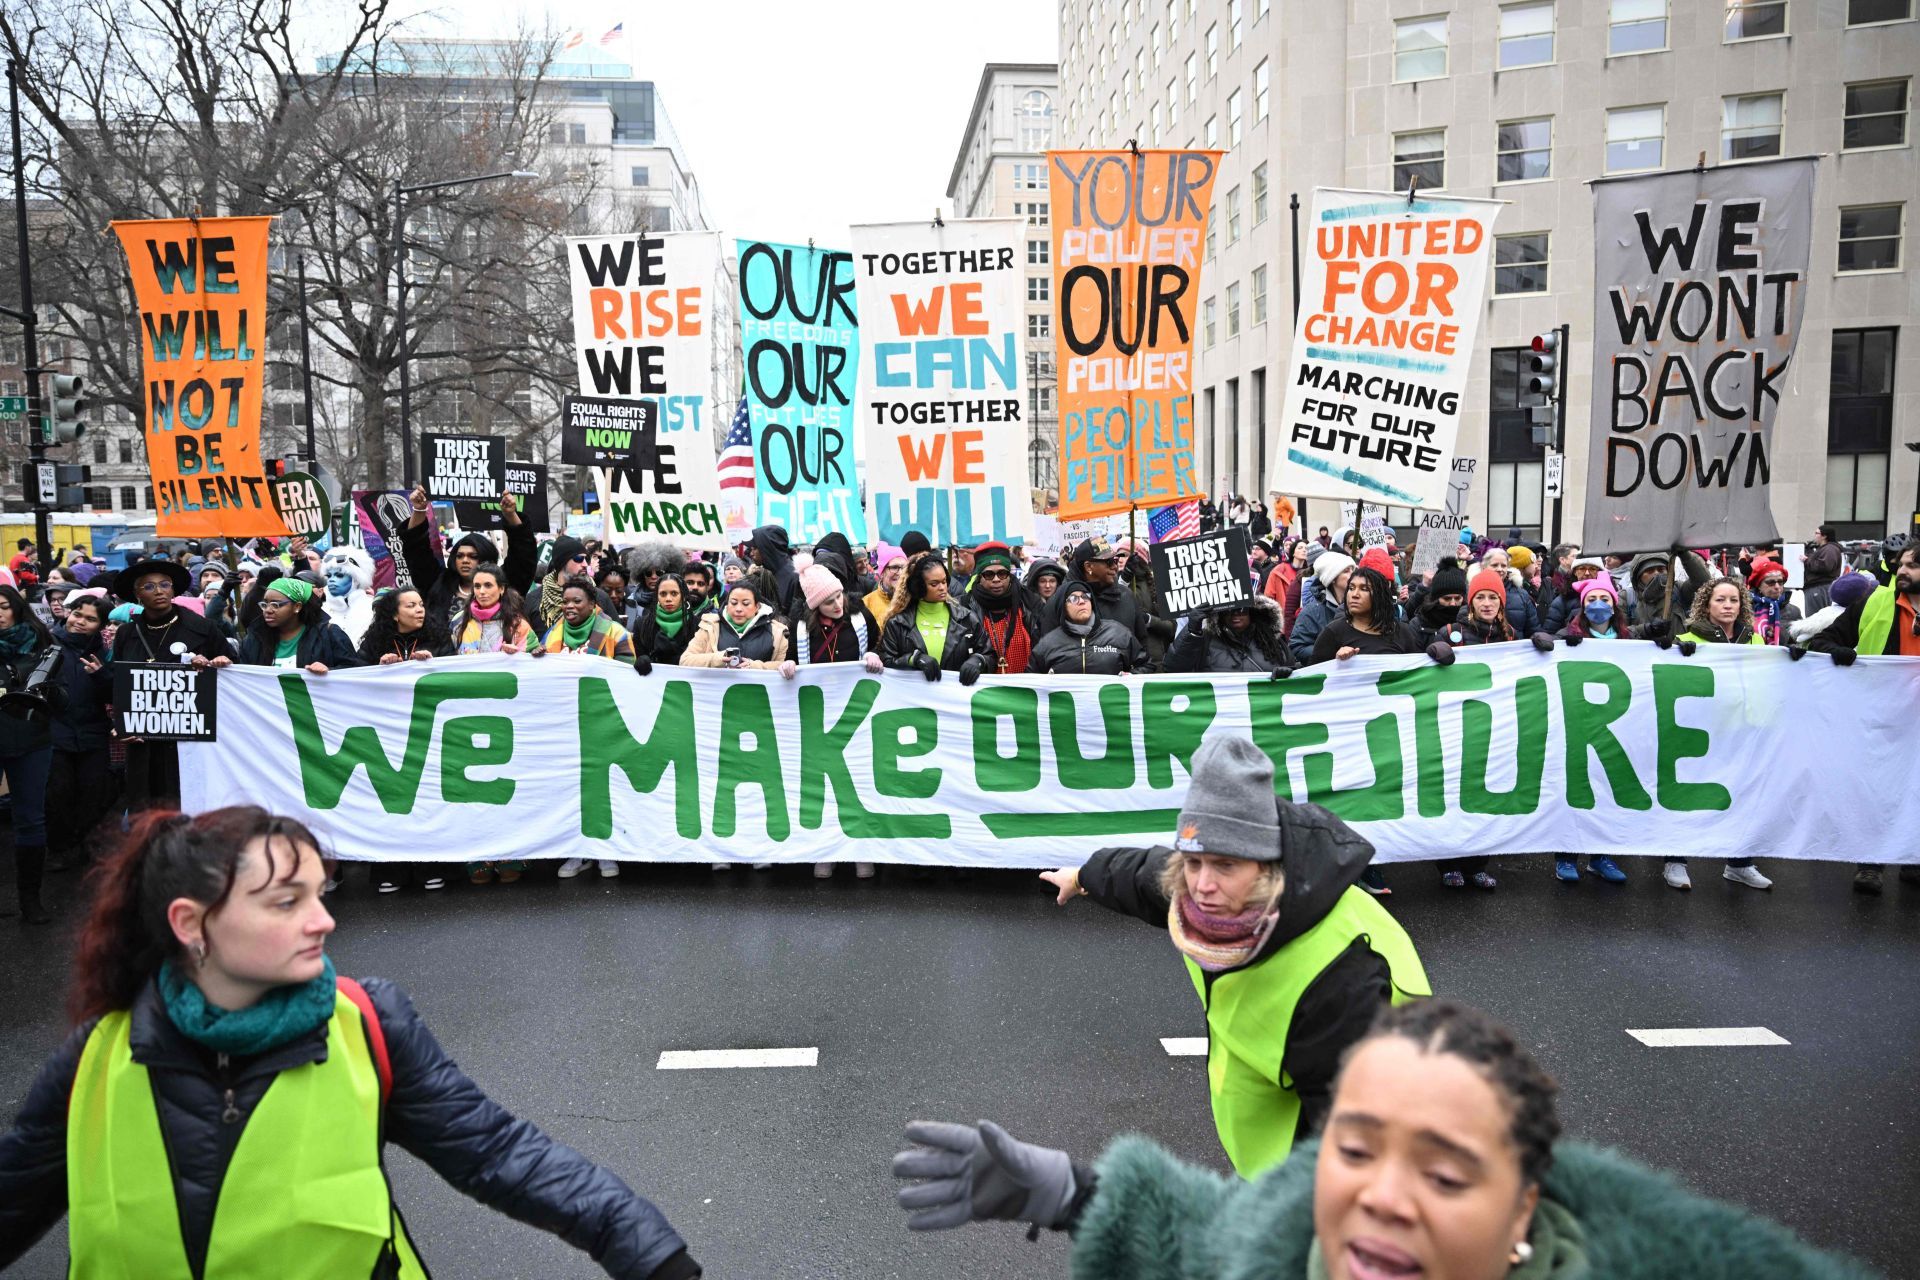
68 404
275 467
1546 366
70 481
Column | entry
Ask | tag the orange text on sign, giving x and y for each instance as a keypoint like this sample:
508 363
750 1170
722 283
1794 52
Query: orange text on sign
645 313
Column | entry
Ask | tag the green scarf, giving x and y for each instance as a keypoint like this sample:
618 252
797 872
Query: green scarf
576 636
740 628
670 623
282 1015
17 640
1559 1248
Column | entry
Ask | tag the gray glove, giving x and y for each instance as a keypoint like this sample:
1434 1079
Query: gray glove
974 1174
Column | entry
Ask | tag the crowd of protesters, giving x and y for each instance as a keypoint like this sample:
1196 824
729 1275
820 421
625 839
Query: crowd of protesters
962 612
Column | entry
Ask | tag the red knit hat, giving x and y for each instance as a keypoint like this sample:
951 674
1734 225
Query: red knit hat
1761 568
1488 580
1379 561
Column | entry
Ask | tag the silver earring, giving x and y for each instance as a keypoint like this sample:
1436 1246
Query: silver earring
1522 1254
199 950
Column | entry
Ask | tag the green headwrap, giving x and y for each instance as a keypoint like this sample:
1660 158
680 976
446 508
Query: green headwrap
293 589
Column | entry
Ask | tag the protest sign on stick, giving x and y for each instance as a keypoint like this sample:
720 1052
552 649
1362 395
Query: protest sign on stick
1440 530
1199 575
598 432
165 702
527 482
463 468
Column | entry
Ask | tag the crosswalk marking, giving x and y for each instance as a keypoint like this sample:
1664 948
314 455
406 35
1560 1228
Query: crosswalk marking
1184 1046
1706 1037
719 1059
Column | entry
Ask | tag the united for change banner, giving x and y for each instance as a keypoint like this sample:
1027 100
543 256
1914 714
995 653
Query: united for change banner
942 383
643 319
1700 282
1391 294
1615 747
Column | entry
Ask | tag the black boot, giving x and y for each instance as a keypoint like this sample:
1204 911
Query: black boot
30 864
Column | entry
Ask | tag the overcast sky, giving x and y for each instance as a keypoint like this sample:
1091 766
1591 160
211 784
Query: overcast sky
801 119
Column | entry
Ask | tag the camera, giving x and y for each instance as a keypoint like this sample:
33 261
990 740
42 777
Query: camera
29 701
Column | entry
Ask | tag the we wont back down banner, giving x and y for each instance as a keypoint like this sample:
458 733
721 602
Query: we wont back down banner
1611 748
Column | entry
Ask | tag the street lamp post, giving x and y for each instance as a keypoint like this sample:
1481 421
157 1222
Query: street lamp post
400 194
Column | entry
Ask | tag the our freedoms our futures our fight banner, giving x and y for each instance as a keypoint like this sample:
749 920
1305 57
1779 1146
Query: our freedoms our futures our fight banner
1615 747
943 400
643 317
1128 233
1391 292
201 286
799 329
1699 285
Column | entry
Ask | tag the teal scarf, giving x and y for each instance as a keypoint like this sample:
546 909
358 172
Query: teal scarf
282 1015
18 640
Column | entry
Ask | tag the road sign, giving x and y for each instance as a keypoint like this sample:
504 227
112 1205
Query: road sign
1556 463
12 407
42 483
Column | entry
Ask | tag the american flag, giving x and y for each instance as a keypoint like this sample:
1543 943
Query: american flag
574 40
736 452
619 30
1181 520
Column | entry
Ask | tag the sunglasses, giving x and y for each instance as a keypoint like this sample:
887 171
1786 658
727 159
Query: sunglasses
988 575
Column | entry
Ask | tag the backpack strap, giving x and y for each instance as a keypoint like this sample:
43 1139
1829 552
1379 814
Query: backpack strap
376 1035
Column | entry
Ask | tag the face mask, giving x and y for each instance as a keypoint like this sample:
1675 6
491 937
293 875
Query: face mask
1598 609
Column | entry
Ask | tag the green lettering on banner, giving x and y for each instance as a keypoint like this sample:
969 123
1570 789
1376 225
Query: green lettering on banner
324 774
1113 769
470 742
1377 801
991 770
891 745
1173 735
1267 704
823 764
1588 726
746 711
607 744
1673 681
1530 751
1425 685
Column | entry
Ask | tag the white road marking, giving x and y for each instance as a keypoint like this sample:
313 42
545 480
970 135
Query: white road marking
705 1059
1706 1037
1184 1046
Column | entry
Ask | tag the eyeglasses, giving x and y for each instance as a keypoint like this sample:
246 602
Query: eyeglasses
154 587
1773 582
994 575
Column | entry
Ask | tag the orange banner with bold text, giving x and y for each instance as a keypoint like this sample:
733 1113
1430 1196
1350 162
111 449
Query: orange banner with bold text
1128 232
201 285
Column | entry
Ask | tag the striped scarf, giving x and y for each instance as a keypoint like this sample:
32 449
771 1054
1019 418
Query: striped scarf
1219 943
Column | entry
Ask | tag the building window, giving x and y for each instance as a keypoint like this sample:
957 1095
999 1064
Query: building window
1213 131
100 450
1260 8
1233 429
1033 177
1258 290
557 132
1876 115
1636 138
1526 150
1039 326
1233 118
1036 121
1153 124
129 498
126 453
1153 42
1173 22
149 497
1209 313
1236 24
1526 35
1037 288
1259 194
1753 19
1213 51
1860 431
1193 78
1233 310
1259 416
1262 86
1213 223
1420 48
1035 214
1637 26
1870 237
1516 466
1861 13
1420 155
1039 252
577 134
1233 215
1750 126
1173 104
1520 263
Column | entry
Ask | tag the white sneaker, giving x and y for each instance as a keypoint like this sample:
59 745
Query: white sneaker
1677 877
1748 876
609 868
571 868
723 866
823 871
863 870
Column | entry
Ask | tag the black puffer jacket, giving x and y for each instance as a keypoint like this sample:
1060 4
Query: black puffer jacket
1108 649
1208 644
435 1113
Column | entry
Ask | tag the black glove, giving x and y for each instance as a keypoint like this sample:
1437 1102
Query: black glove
975 1174
929 666
1663 641
1543 642
1572 639
1796 652
1843 657
1441 652
643 664
1281 673
1686 648
969 670
1654 629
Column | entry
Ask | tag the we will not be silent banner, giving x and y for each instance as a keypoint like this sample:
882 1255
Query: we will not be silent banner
1615 748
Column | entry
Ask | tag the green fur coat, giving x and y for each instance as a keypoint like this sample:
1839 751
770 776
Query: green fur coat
1154 1217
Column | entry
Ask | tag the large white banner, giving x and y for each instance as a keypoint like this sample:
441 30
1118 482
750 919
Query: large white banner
1390 300
942 379
1613 747
643 329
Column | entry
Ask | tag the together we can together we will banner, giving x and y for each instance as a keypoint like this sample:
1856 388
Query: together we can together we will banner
1614 748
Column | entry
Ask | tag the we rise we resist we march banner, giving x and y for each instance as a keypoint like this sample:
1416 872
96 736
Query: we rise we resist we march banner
1616 748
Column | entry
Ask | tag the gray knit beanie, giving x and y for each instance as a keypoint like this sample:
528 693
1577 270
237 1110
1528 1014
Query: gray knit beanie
1230 808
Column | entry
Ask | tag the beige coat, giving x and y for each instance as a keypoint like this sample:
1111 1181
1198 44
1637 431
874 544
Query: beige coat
705 651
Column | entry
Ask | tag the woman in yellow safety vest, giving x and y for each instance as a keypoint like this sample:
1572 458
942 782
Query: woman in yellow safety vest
1289 958
220 1108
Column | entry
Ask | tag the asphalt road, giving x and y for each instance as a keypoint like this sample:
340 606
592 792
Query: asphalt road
963 999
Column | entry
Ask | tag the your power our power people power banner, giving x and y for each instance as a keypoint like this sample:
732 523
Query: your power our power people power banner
643 315
201 285
1699 284
800 331
1615 747
1128 228
1391 291
942 379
